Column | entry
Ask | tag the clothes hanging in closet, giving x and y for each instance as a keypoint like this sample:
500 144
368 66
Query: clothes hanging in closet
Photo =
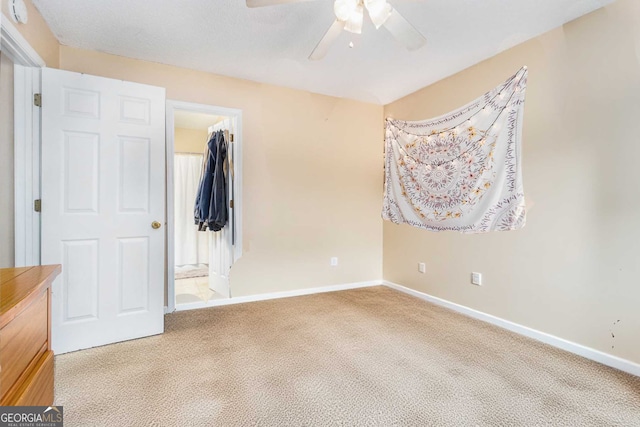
210 209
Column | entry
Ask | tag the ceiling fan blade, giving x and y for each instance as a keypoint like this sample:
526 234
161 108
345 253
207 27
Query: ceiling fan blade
404 32
261 3
330 36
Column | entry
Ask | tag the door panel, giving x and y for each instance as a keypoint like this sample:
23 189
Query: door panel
220 262
221 242
103 184
80 192
133 277
133 189
80 282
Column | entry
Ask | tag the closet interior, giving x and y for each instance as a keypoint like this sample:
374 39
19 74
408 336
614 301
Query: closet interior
202 177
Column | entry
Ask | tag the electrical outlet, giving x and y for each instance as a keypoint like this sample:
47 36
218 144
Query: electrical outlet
334 261
476 279
422 267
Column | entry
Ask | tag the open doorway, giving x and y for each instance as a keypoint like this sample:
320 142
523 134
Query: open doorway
191 248
200 253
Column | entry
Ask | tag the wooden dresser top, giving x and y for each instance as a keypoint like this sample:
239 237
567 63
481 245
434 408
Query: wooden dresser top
17 284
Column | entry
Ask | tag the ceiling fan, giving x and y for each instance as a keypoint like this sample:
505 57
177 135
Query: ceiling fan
349 17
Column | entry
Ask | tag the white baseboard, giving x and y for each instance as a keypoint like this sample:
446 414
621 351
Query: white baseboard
579 349
275 295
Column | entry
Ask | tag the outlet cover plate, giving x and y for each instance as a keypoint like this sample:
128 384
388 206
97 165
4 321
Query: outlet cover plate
476 279
422 267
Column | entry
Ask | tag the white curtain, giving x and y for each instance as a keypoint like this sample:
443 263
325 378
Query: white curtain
191 245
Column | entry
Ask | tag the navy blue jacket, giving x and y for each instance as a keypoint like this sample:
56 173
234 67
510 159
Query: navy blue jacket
210 208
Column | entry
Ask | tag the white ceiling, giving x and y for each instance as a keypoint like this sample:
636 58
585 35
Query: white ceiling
271 44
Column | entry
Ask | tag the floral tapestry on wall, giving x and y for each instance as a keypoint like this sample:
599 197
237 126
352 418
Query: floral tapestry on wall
460 171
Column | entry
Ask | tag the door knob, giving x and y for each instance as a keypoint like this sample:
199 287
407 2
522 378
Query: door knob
155 225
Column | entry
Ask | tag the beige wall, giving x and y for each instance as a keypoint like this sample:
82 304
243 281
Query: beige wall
189 140
6 163
312 177
573 271
37 33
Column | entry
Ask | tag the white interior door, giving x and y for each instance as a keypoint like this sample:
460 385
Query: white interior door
103 184
220 261
221 243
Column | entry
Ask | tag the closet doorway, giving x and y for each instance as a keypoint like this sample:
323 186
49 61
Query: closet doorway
204 227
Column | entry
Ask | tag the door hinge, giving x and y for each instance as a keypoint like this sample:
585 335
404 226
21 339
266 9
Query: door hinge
231 137
37 99
37 205
231 203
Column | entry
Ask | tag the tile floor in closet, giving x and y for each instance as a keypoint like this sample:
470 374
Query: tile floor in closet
194 289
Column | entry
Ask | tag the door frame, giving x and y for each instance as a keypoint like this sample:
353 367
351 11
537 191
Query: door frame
171 108
26 142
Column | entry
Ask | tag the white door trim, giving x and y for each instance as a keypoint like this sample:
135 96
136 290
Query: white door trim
172 107
26 148
26 127
16 47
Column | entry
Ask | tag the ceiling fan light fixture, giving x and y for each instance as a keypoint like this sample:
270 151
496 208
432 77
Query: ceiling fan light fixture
379 11
354 23
344 9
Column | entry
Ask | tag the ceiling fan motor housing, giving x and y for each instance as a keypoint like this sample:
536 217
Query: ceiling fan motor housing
351 12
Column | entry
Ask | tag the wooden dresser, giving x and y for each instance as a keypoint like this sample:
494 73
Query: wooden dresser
26 359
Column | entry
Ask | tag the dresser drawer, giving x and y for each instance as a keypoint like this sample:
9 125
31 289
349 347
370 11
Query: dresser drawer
22 341
37 389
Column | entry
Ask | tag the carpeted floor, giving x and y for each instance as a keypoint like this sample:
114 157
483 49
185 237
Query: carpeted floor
364 357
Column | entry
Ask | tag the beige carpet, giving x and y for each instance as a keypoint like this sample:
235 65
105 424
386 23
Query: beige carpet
365 357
